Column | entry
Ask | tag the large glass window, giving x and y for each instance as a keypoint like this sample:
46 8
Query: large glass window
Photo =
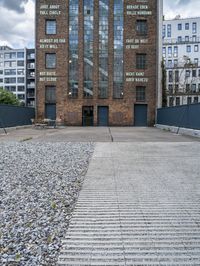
140 94
118 49
73 48
8 72
50 94
141 61
88 47
51 60
51 26
141 27
103 48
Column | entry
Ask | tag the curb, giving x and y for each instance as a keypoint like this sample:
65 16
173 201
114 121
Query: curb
181 130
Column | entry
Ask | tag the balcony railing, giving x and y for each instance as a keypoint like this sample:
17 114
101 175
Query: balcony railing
31 86
182 41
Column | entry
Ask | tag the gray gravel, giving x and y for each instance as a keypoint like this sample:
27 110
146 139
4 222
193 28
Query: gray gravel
39 187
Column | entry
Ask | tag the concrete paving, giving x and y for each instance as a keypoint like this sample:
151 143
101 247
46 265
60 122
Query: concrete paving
95 134
139 206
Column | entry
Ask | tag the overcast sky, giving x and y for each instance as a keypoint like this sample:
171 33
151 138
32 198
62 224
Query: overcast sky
17 19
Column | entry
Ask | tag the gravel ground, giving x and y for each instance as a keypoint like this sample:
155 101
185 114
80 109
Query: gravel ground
39 187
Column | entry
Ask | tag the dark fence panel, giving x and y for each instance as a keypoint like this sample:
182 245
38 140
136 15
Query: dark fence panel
187 116
12 116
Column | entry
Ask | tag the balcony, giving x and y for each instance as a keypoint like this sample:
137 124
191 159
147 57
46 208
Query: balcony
31 66
31 86
30 95
183 41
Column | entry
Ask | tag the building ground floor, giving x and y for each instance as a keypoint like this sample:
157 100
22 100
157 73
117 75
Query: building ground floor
99 114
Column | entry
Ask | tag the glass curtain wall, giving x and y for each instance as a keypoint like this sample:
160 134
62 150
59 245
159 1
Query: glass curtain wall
88 47
118 49
73 48
103 48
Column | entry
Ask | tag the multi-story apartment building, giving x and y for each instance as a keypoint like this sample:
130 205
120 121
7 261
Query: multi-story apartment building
30 77
181 54
17 70
98 61
13 71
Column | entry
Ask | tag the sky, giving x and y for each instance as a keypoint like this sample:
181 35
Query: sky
17 19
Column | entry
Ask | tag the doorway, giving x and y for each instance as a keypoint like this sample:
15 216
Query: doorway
103 116
88 116
140 115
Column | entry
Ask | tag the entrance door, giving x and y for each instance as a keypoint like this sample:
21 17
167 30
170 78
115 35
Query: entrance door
140 115
103 115
88 116
50 111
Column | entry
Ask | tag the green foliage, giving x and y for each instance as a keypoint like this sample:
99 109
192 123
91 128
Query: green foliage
7 97
164 86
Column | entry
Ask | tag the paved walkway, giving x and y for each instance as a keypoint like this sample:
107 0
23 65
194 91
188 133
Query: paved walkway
139 206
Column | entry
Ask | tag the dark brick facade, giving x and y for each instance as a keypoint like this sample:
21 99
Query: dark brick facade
121 111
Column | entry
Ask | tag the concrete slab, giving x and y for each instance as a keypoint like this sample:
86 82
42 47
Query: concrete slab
95 134
139 206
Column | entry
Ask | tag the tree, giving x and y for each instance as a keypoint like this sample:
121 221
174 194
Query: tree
7 97
164 85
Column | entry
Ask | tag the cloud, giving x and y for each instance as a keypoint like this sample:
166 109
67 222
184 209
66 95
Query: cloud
17 28
15 5
184 8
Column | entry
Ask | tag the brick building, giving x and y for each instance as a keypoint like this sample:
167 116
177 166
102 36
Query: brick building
98 61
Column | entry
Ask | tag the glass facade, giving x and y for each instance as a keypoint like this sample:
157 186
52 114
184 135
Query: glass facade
73 48
103 48
88 47
118 49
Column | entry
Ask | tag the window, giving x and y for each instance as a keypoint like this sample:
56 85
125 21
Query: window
11 88
50 60
187 87
20 55
9 80
21 96
194 27
179 26
196 61
194 73
194 88
1 80
199 72
169 29
187 26
177 76
20 72
164 51
170 63
170 51
189 100
177 100
20 88
175 62
188 49
7 56
141 61
186 38
171 101
170 76
175 51
20 80
141 27
1 72
196 48
179 39
187 73
140 94
164 31
194 38
20 63
51 26
170 88
196 99
50 94
199 87
8 72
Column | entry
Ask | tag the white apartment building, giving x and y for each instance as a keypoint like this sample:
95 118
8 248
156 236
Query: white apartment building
181 54
13 71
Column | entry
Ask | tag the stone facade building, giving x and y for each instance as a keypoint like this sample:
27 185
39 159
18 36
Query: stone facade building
98 61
